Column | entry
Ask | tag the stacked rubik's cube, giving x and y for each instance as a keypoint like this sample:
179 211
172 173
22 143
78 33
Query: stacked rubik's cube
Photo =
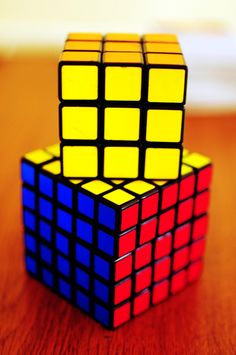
115 218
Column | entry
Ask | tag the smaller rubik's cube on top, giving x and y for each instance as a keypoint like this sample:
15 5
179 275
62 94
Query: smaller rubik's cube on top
122 106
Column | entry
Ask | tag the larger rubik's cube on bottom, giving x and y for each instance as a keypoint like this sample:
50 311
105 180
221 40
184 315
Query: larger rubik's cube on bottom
114 248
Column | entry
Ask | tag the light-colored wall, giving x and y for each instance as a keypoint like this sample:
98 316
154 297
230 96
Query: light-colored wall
116 13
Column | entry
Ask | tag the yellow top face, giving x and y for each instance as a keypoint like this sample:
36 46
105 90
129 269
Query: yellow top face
76 181
122 47
185 170
161 37
38 156
150 47
123 37
53 167
196 160
185 152
160 182
164 59
119 197
68 56
83 46
120 57
84 36
97 187
54 150
117 181
139 187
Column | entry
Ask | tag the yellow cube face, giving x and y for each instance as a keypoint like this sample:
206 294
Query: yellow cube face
123 83
162 48
160 37
80 36
164 125
121 123
79 122
83 46
80 161
121 162
79 82
166 85
162 163
122 47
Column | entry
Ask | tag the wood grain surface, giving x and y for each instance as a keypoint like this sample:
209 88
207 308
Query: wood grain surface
201 320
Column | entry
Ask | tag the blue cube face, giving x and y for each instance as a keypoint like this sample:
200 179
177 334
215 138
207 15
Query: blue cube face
105 242
28 197
45 185
101 291
47 277
84 230
83 255
101 267
31 265
62 243
63 265
85 205
83 301
107 216
64 195
82 278
64 220
29 220
28 173
46 254
45 208
64 288
30 242
101 314
45 230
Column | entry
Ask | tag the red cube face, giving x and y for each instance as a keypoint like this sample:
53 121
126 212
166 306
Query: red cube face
122 314
204 178
143 279
194 271
127 242
200 227
163 246
166 221
169 196
141 303
160 291
123 267
148 230
187 186
182 235
149 206
197 249
122 291
178 281
180 258
143 256
129 217
201 203
185 211
162 269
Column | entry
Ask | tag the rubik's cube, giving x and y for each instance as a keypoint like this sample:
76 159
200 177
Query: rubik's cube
114 248
122 106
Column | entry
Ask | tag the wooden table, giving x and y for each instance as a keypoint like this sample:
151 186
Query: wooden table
201 320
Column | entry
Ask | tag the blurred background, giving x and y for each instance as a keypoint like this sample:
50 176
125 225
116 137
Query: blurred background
207 31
